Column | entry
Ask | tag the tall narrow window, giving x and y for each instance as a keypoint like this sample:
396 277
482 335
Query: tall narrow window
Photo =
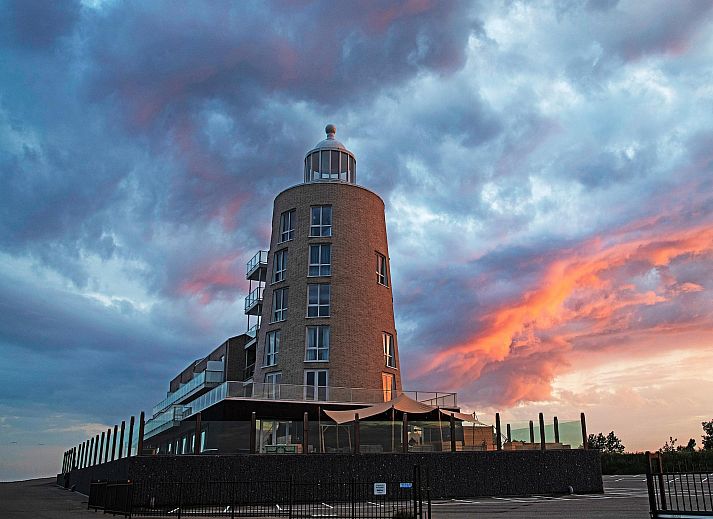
316 384
321 222
318 300
317 343
287 225
382 276
388 385
279 266
388 341
272 347
320 260
272 385
279 305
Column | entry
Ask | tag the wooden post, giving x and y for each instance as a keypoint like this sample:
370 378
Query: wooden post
542 431
557 430
509 433
532 433
92 454
142 424
357 438
81 455
131 437
101 449
404 432
121 439
453 433
197 442
499 441
113 444
253 436
584 430
106 447
305 433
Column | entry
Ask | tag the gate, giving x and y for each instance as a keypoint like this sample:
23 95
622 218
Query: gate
677 489
406 498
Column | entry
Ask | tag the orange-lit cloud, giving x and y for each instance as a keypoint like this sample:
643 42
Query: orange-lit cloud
590 293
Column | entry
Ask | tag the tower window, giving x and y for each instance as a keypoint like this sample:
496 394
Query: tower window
321 222
318 300
279 266
389 358
272 348
388 386
381 274
317 343
279 305
287 225
320 260
316 381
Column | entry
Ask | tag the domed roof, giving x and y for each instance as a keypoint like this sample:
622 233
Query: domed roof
330 142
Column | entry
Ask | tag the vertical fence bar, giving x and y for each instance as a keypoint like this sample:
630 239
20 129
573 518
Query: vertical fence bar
197 443
113 443
131 436
557 429
142 424
508 432
305 433
532 433
92 454
542 431
80 458
404 432
96 449
583 421
357 437
101 449
664 504
650 486
106 447
253 432
453 433
498 432
121 439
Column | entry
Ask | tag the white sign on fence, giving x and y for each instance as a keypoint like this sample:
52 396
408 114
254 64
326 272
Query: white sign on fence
379 489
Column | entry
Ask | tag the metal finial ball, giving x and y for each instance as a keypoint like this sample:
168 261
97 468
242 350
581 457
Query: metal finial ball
330 129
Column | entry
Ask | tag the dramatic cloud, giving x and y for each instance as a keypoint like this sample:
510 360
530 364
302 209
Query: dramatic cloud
547 172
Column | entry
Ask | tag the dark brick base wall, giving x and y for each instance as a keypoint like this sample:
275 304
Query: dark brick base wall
452 475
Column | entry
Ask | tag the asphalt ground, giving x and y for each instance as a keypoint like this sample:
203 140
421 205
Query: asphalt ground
624 497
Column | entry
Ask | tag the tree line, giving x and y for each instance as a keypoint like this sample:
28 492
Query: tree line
612 444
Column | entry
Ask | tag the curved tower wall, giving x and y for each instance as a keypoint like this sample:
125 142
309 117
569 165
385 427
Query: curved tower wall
361 309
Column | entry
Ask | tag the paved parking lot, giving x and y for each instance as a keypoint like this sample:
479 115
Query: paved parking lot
624 497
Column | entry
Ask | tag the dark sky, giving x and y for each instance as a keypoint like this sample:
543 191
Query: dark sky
547 170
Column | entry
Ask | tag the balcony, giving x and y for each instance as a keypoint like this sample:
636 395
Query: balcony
252 331
171 417
205 379
257 267
302 393
249 372
253 302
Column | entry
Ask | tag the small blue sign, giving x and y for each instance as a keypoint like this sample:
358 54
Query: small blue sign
405 485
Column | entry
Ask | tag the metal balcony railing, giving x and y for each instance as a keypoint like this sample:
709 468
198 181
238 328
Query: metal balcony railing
201 380
252 331
249 372
253 300
256 262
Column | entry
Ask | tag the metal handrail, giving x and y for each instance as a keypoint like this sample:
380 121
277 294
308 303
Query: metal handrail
253 298
259 258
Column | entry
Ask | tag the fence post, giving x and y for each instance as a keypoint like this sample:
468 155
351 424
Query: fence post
93 453
532 433
453 433
542 432
357 438
650 485
404 432
305 433
80 458
121 439
509 433
113 443
142 423
584 430
197 443
557 430
253 426
96 449
498 433
662 490
131 437
101 449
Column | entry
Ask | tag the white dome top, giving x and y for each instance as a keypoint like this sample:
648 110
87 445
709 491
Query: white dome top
330 142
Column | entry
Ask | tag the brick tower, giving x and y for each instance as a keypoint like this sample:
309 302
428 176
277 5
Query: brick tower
326 326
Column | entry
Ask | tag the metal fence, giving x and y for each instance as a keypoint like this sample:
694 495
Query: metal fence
678 489
392 499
